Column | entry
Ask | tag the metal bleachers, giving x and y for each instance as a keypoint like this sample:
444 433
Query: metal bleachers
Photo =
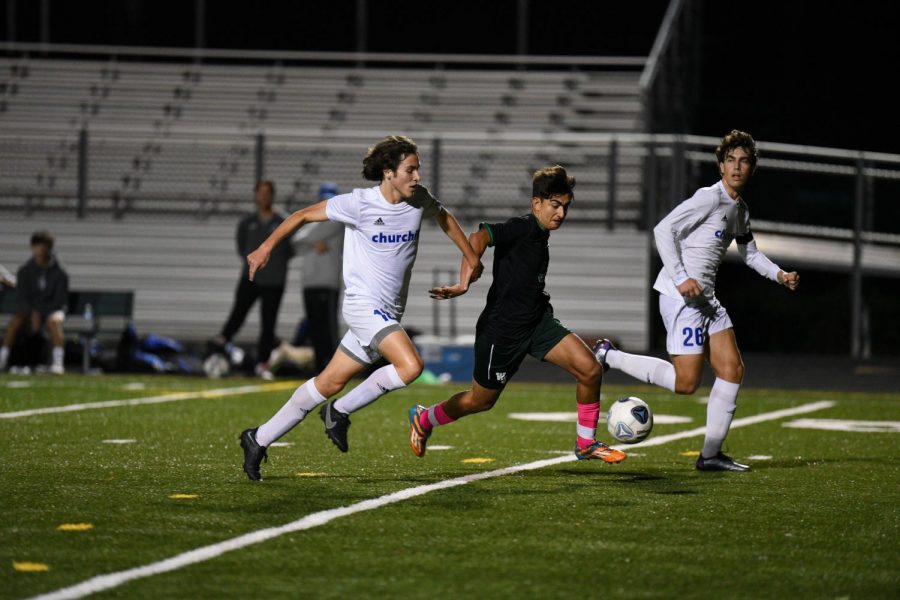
179 137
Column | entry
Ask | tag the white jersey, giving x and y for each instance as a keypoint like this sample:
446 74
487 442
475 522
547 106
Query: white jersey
380 244
692 241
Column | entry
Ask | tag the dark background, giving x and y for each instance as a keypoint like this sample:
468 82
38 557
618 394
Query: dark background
818 73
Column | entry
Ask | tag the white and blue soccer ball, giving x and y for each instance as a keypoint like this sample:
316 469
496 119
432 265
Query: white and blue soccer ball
629 420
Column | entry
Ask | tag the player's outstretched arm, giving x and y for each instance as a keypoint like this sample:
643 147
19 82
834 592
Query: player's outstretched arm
759 262
257 259
479 241
450 226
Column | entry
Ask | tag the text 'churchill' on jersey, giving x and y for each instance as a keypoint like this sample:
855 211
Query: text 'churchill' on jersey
393 238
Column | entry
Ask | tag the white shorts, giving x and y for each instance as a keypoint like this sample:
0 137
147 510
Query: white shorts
367 326
688 326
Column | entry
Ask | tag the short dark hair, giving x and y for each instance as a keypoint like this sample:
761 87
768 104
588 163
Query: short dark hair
737 139
552 181
42 237
265 182
387 154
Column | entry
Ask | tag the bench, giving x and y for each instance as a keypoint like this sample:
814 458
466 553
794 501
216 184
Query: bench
88 314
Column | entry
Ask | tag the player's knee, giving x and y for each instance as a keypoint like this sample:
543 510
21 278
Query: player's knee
590 374
733 372
328 387
410 369
686 385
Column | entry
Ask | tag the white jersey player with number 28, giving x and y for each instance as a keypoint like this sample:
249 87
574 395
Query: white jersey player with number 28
692 241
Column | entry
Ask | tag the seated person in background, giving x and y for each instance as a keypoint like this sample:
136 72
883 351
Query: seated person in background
42 291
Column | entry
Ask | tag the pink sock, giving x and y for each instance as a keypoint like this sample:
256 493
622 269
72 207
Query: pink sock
588 415
434 416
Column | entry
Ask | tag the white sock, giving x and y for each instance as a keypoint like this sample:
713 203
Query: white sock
4 357
646 368
719 412
304 399
375 386
58 355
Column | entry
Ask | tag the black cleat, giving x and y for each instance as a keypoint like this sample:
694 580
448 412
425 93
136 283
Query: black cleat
254 454
336 425
720 462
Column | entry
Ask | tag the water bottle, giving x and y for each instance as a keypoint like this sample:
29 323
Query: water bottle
88 313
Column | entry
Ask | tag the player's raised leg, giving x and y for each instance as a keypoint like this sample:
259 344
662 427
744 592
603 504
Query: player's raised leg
572 355
649 369
726 361
422 421
405 366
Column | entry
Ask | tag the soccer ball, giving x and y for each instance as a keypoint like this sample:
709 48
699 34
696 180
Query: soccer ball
216 365
629 420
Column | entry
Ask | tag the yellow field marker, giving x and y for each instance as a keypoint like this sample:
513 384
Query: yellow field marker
75 527
311 474
691 453
183 496
478 461
30 567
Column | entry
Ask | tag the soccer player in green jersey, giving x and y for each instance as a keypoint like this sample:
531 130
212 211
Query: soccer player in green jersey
518 320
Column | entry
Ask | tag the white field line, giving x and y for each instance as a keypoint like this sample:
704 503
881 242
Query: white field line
175 397
204 553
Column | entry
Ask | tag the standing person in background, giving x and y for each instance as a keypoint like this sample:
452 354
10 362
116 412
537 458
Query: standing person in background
42 292
269 285
322 248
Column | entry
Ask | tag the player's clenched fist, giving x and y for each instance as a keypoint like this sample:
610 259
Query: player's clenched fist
789 280
257 259
476 272
689 288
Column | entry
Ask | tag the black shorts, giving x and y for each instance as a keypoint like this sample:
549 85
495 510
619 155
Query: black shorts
496 364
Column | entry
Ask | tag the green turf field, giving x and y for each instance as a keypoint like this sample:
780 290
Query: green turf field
819 518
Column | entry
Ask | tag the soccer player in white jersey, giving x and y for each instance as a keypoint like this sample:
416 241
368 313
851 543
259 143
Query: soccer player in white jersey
692 241
380 244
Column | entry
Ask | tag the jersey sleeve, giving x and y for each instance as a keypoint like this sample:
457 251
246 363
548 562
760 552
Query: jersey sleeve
675 227
753 256
343 209
508 233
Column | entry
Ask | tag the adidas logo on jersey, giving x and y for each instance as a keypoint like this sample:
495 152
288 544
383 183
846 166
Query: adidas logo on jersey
378 221
393 238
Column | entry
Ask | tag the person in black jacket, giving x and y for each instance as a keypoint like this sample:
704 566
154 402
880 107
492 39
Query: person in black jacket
42 292
268 286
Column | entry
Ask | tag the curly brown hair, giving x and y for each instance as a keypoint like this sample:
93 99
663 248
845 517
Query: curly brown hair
387 154
738 139
552 181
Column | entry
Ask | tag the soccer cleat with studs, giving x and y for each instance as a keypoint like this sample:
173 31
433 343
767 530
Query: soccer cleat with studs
600 349
336 425
254 454
600 451
418 437
720 462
